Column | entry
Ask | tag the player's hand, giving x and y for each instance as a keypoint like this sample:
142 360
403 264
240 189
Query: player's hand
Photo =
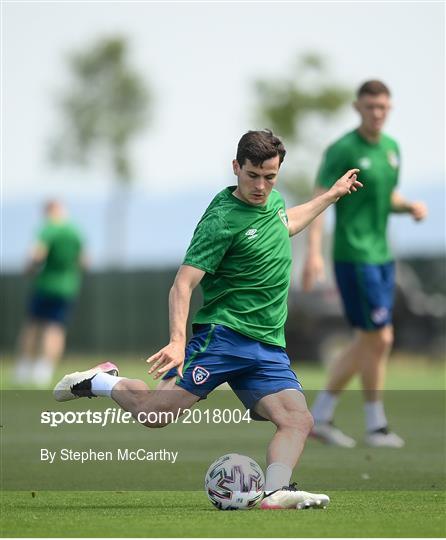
314 270
418 211
170 356
346 184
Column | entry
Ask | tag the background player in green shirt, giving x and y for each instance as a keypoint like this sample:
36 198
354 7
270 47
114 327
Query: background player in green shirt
241 255
363 264
56 261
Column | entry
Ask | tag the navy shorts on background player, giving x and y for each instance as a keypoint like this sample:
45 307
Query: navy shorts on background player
367 292
49 308
216 354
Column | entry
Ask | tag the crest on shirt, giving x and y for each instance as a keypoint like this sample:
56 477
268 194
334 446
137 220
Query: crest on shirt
200 375
283 217
365 163
393 159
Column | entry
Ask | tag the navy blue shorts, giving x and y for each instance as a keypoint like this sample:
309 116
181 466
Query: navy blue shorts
49 308
216 354
367 292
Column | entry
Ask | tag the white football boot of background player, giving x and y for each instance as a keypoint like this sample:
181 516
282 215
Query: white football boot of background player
329 434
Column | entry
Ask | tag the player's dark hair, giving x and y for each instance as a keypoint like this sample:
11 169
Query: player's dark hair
258 146
373 88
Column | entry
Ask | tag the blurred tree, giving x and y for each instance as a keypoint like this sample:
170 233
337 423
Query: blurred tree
102 109
295 108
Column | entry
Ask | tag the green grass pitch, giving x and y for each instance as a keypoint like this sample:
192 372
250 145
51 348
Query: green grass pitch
188 514
374 492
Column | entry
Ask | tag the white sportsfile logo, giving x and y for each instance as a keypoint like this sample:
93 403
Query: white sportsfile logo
251 233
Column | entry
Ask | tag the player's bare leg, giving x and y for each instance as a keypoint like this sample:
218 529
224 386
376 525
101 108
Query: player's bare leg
165 403
52 347
340 372
288 411
53 341
29 339
344 367
376 349
133 395
368 355
28 346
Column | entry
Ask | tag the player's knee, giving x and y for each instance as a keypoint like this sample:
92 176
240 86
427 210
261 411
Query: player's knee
295 420
384 340
307 422
388 337
310 421
380 341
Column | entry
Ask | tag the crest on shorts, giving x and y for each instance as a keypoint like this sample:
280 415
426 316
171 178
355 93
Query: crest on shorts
200 375
380 315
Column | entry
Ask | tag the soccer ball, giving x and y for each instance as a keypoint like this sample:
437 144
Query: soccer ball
234 482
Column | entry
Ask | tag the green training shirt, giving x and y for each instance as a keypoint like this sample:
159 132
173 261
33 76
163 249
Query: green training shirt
361 219
245 251
61 273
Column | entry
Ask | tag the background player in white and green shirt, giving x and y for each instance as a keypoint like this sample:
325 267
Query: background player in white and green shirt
363 264
241 255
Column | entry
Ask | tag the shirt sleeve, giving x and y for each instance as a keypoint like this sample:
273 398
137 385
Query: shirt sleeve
211 240
331 168
398 164
80 239
44 236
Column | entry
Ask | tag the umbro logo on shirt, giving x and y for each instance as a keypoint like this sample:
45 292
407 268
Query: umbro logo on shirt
365 163
251 233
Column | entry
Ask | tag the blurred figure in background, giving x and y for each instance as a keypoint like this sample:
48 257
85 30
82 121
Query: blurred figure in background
363 264
56 261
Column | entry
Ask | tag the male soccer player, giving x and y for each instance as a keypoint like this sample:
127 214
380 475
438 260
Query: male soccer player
56 260
241 255
363 264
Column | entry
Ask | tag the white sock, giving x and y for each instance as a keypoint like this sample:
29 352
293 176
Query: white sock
324 407
278 475
102 384
375 417
42 372
22 370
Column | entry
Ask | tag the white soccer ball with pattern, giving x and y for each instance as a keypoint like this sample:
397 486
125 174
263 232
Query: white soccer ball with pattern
234 482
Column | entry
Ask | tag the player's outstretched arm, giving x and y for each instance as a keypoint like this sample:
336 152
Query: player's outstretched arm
417 210
37 256
172 355
301 216
314 267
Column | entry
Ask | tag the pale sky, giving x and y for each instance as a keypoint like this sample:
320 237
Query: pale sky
200 60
